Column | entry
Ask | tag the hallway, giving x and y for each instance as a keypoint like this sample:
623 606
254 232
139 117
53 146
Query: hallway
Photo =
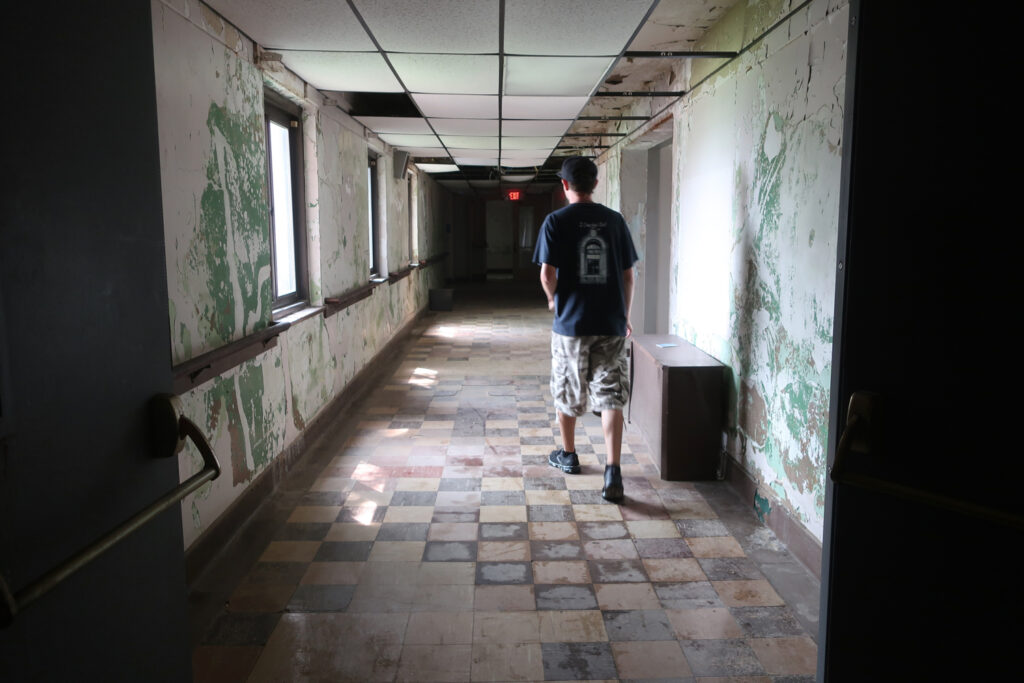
425 538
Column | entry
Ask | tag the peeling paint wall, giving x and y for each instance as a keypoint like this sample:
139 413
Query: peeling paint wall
756 178
756 206
213 170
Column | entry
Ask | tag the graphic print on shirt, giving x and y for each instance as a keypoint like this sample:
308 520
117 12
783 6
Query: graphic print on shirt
593 256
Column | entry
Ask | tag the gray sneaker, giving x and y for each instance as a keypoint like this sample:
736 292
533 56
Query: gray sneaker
567 462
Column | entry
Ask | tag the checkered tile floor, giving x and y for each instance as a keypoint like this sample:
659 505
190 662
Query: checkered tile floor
429 540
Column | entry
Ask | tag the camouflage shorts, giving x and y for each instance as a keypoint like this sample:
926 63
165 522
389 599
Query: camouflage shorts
593 369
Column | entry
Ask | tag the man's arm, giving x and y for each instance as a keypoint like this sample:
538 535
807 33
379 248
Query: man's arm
627 294
549 281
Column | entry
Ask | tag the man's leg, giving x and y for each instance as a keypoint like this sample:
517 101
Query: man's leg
567 426
611 423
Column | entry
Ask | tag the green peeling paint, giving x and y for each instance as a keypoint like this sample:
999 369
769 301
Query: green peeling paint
232 240
762 506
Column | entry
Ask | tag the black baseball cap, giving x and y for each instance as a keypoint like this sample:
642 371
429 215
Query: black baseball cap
578 169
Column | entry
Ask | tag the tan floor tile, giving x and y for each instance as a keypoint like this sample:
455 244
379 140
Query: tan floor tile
650 659
737 679
409 513
446 573
507 662
713 623
504 598
290 551
418 483
550 571
333 573
396 551
553 531
352 531
314 513
373 645
680 509
453 531
457 499
501 484
444 598
373 598
364 513
503 513
534 449
439 628
572 626
611 549
715 546
506 627
449 663
585 482
392 573
223 664
502 424
332 484
757 593
786 656
548 498
659 528
596 513
626 596
536 431
674 569
503 551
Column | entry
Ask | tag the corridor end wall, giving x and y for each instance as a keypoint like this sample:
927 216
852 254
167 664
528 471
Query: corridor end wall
217 239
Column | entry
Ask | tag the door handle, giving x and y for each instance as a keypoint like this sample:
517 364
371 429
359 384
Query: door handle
863 416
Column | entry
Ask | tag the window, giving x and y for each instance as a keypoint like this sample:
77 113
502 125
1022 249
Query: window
287 224
374 220
413 216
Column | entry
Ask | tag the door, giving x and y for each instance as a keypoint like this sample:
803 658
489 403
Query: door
917 584
500 237
84 346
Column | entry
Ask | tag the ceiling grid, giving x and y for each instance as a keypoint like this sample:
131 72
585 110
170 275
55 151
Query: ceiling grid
483 90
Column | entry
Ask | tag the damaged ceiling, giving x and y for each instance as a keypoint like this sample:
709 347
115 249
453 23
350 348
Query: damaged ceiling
486 92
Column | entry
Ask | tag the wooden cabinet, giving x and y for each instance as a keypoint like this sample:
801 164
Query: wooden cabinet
678 403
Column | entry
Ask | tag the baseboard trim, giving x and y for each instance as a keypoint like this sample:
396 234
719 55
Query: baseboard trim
800 542
205 549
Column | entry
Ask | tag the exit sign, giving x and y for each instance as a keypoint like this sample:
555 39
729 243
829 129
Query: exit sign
513 194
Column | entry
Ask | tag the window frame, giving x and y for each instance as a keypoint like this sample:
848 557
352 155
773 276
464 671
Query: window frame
373 195
282 112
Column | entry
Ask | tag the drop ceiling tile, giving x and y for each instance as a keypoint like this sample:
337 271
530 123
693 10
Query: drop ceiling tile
536 127
433 152
522 178
470 152
529 143
457 106
448 74
451 26
571 27
554 75
395 124
470 141
483 184
437 168
465 126
525 153
552 107
677 25
309 25
523 163
344 71
475 161
413 140
541 188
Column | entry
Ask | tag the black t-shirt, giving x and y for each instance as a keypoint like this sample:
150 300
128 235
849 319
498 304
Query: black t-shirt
590 246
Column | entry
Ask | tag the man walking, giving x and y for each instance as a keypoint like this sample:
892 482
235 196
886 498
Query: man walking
586 258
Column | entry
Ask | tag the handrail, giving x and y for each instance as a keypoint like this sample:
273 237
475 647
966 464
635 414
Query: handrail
854 438
12 603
